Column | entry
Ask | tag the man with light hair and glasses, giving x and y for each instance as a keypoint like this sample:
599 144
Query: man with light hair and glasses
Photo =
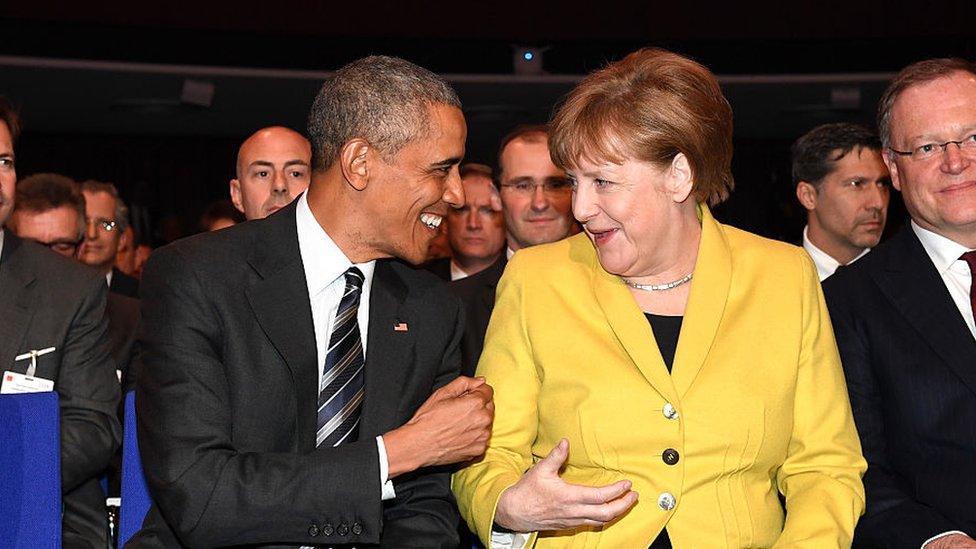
536 202
106 218
300 383
904 320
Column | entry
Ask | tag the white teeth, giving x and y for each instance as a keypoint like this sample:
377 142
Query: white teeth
433 221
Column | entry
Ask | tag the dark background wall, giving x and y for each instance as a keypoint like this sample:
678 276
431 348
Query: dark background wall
101 86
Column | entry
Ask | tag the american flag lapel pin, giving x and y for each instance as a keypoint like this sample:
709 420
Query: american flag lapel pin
400 327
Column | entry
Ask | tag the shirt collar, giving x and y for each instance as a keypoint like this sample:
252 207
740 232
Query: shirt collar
942 251
826 264
1 241
322 259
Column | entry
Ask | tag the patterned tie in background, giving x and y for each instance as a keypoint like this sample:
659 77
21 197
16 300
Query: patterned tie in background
341 389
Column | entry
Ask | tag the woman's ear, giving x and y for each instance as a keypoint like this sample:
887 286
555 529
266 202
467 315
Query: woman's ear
354 161
680 179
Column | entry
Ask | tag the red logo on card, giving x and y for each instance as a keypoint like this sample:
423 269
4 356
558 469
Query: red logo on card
10 377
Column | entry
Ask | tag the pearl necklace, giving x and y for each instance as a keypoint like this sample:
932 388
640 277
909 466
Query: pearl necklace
659 287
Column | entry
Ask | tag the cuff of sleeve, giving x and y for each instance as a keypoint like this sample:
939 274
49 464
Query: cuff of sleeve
385 482
508 540
942 535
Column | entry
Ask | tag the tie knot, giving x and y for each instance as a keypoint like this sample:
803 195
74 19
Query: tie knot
354 279
970 257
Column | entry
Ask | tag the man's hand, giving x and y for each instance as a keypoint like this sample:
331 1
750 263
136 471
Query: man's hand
540 500
453 425
952 541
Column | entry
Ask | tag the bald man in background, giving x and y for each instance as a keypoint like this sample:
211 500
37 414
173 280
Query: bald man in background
272 169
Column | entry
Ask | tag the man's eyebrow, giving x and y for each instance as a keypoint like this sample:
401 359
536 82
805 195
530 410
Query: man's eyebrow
264 163
296 162
521 179
446 163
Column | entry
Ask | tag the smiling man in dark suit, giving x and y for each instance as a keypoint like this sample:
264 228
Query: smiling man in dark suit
904 320
289 363
54 306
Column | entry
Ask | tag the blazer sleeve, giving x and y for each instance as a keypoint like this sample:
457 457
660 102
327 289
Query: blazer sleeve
89 393
893 517
209 492
508 366
821 475
424 513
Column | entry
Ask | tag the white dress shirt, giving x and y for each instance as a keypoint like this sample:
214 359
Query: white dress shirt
1 241
826 265
325 266
457 273
955 274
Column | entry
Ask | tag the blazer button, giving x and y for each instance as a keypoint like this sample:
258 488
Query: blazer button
670 456
666 501
343 529
669 411
328 529
357 528
313 530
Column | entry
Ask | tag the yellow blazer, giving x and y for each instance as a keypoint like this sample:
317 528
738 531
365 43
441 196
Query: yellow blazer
756 403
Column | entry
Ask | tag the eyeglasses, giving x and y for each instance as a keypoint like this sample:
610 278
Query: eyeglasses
928 151
107 225
552 187
63 247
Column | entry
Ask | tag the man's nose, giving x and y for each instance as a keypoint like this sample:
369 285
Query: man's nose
540 200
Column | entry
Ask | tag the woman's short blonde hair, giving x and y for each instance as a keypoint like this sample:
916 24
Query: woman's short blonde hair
649 106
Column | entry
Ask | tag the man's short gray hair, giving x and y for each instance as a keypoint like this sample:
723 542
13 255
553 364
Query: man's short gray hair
121 210
383 100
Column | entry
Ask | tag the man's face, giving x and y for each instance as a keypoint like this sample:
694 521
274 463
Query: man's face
851 202
476 230
273 167
100 245
939 192
536 198
8 173
56 228
412 194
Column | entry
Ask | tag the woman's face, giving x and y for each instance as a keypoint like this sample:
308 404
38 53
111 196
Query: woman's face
631 211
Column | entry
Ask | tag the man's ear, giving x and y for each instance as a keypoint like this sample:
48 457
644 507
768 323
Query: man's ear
806 193
235 195
354 160
680 178
889 161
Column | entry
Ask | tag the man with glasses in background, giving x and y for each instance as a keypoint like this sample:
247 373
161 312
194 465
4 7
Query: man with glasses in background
106 218
52 338
537 205
904 320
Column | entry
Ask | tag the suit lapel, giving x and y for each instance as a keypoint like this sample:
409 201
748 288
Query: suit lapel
706 304
16 299
280 302
912 284
631 328
389 352
495 274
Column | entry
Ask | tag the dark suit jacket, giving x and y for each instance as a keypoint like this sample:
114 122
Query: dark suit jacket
441 267
226 399
477 293
124 284
123 324
49 301
910 363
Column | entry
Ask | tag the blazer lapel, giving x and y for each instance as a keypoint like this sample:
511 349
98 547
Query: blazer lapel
16 299
706 304
280 302
389 352
911 282
631 328
494 275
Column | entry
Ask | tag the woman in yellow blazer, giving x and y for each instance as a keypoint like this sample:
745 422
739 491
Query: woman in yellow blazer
661 379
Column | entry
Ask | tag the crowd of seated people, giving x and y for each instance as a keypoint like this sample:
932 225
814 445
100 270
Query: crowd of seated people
372 342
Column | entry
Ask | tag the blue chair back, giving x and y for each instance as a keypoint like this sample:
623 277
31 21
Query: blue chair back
135 492
30 471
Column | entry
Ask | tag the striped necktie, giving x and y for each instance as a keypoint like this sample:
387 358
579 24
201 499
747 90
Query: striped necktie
341 388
